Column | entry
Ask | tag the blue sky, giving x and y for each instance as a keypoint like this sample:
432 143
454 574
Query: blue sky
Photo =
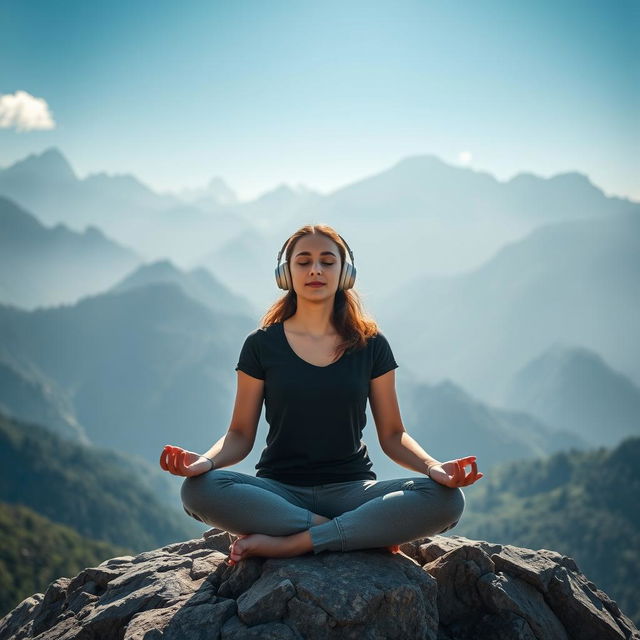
323 93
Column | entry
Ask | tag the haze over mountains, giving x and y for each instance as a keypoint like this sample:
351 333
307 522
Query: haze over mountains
150 365
121 206
573 282
198 284
567 276
575 389
512 309
143 366
421 215
43 266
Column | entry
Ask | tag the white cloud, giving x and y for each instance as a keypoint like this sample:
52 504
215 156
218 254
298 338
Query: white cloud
464 157
24 112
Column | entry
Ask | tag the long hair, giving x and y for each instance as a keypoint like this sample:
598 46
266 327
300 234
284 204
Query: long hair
349 319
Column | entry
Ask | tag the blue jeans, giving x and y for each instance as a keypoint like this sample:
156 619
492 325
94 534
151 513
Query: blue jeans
365 513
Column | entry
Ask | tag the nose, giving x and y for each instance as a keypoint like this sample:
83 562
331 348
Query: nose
316 267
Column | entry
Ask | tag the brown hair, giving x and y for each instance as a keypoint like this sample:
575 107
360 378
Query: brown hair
348 318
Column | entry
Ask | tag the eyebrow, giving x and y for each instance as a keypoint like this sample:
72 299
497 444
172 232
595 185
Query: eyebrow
323 253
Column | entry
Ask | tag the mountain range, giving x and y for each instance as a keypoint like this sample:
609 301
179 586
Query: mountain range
149 365
572 282
511 308
124 208
142 366
431 217
45 266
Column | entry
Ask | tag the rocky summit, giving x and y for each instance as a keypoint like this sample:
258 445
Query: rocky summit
439 588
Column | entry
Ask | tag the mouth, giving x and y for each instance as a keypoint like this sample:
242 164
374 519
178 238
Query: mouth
316 284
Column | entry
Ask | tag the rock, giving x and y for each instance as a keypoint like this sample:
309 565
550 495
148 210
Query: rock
440 588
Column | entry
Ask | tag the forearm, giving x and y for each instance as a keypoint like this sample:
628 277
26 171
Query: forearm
231 448
405 451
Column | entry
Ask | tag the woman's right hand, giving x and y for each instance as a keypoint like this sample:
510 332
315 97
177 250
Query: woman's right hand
181 462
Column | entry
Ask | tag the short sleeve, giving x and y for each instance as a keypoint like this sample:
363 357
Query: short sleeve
249 360
383 359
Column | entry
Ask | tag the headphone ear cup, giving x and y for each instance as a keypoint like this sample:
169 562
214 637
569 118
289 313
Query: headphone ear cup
287 276
347 276
283 277
280 278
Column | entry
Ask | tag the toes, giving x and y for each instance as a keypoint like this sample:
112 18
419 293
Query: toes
234 555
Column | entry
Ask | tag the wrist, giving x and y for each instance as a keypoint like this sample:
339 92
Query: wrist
430 465
213 464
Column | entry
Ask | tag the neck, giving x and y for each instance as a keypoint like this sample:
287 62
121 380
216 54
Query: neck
312 319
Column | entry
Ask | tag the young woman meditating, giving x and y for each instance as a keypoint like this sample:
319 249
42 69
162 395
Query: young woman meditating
314 361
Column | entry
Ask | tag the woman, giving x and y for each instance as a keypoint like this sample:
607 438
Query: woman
315 361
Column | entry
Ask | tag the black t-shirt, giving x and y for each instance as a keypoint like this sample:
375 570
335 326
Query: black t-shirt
315 414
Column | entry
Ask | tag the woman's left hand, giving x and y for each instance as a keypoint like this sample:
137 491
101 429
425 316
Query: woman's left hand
452 473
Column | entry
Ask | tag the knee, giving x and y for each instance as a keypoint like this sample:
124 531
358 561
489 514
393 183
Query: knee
450 500
453 506
456 504
197 490
188 492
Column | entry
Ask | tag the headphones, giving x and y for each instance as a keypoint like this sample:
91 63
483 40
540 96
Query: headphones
347 275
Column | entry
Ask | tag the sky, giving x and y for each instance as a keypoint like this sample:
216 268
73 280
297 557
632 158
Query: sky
324 93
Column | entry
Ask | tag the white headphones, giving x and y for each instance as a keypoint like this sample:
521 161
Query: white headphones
347 275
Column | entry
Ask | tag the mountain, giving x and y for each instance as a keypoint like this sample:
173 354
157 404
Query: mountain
422 186
155 225
36 551
278 206
49 167
565 196
149 365
247 264
217 192
84 488
425 217
428 217
573 388
144 367
582 504
573 282
449 423
42 266
27 394
198 283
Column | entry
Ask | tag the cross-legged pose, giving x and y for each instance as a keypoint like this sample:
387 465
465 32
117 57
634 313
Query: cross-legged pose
315 361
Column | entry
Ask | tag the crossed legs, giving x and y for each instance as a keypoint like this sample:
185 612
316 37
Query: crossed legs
273 519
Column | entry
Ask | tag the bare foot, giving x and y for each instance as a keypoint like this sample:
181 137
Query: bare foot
259 544
228 560
270 546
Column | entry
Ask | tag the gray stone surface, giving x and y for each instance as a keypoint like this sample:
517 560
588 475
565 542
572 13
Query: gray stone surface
440 588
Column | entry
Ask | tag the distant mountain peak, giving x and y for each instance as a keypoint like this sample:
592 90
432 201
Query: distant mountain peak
217 190
126 182
573 178
50 165
281 195
424 159
163 267
570 178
